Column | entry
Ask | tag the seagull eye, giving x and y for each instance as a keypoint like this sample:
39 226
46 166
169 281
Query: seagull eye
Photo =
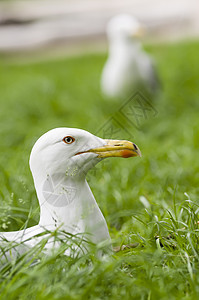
68 139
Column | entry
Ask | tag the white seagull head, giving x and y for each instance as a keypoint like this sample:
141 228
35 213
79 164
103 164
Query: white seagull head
124 27
74 151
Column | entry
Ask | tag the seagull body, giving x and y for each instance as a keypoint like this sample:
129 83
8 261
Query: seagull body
59 162
128 66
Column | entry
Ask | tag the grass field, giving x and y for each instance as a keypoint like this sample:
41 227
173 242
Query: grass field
152 201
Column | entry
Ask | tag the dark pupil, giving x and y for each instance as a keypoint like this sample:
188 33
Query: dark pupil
68 139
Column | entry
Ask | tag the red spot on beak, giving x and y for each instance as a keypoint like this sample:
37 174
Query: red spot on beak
127 153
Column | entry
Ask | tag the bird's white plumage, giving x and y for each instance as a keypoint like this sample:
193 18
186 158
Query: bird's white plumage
65 198
59 162
127 66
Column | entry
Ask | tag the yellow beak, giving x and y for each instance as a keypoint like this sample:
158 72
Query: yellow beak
117 148
140 32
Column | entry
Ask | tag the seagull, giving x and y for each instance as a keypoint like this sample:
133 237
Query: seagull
59 162
128 66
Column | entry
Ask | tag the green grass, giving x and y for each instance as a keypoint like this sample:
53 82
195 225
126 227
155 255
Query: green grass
36 97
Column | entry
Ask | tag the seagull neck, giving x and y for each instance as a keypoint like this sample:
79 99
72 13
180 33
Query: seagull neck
117 46
63 199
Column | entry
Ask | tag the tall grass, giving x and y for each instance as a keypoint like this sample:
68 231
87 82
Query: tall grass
150 202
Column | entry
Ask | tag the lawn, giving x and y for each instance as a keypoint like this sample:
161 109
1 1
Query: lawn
152 201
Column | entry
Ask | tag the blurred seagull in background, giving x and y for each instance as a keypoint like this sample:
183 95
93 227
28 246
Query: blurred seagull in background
59 162
128 66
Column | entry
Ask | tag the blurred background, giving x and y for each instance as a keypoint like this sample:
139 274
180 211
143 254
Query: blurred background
80 24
